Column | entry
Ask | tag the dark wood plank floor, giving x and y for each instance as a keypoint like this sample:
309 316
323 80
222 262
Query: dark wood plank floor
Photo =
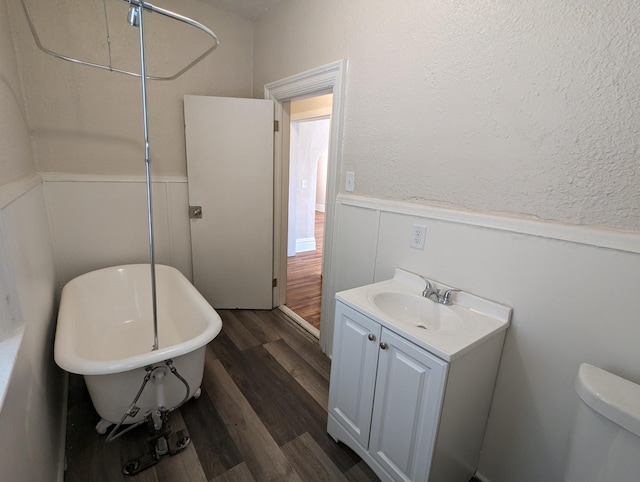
261 416
304 279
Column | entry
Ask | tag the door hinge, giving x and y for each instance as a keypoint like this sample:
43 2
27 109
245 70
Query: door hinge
276 126
274 283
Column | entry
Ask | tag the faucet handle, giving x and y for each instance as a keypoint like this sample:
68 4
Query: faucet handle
427 288
446 297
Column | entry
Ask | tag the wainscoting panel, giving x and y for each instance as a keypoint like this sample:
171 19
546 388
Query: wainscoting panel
102 221
573 289
32 421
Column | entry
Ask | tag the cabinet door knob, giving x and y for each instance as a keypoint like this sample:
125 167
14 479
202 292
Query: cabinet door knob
383 345
371 337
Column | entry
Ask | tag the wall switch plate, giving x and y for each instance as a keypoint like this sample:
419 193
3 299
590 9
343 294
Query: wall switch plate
418 233
350 182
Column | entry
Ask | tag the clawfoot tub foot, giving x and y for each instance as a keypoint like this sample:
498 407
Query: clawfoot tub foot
197 393
102 426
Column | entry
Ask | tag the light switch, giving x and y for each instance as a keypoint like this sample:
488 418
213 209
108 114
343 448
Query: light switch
350 182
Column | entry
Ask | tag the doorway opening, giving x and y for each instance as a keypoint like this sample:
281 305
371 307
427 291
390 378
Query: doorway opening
329 78
309 132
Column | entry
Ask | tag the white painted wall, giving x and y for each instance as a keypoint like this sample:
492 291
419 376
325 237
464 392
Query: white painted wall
309 142
522 108
100 221
572 302
525 108
321 184
505 111
32 412
82 121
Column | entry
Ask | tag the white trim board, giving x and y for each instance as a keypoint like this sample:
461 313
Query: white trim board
305 244
69 177
627 241
98 208
13 190
324 79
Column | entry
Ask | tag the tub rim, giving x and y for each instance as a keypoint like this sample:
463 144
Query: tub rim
65 354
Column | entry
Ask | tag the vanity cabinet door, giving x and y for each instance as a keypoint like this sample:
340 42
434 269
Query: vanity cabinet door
353 371
408 397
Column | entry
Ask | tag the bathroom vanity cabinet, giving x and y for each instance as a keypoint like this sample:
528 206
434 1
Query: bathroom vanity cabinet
372 363
410 414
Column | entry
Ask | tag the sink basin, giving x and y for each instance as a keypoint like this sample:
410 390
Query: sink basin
447 331
423 313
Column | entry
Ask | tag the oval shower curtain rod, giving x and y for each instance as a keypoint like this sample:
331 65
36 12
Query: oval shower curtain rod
147 6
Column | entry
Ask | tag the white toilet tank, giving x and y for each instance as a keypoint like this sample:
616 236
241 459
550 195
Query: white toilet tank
605 441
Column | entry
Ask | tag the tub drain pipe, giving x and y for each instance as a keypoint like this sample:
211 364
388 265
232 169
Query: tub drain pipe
155 415
162 441
158 380
132 411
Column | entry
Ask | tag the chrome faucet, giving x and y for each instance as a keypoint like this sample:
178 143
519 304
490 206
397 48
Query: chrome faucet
434 294
446 297
430 293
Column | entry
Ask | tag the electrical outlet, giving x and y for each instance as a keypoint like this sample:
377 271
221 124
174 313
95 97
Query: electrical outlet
418 233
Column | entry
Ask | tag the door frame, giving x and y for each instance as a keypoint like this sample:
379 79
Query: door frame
320 80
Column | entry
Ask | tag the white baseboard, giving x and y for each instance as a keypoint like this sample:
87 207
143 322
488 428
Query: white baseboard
305 244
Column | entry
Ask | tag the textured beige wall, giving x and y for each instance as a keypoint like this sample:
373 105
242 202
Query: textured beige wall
89 121
16 158
525 108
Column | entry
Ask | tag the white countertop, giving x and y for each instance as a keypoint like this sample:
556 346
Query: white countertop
482 318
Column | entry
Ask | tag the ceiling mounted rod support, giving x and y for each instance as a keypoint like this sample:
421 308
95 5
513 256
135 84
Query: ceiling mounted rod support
175 16
133 16
147 6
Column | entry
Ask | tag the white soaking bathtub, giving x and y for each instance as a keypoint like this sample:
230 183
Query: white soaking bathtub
105 332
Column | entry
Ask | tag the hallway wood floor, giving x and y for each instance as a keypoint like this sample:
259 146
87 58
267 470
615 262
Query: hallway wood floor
261 416
304 279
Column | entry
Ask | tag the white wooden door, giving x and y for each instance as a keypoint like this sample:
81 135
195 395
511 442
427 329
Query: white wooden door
408 397
353 371
230 173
